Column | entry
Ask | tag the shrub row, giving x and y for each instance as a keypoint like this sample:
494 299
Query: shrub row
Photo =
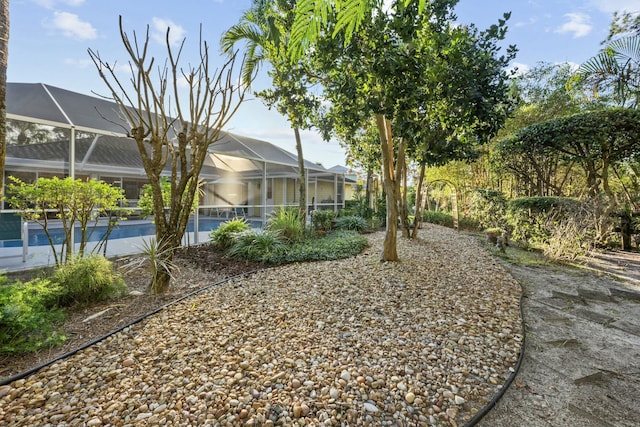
31 312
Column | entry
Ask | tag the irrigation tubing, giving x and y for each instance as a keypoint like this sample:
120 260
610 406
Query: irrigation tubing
474 421
489 406
138 320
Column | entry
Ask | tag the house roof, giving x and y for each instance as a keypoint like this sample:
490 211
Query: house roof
49 105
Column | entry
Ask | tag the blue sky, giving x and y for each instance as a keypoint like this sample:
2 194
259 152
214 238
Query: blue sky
49 40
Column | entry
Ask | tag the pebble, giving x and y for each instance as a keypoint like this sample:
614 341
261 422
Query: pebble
302 344
370 407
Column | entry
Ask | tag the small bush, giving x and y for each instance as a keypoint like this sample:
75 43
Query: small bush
88 279
28 316
352 222
334 245
268 248
222 237
567 242
321 219
255 246
446 219
439 218
487 208
287 224
532 219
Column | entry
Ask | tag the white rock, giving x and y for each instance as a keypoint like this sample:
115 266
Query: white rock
370 407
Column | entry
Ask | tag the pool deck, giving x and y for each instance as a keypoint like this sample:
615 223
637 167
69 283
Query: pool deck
42 256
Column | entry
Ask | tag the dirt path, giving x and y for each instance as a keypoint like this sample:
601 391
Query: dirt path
582 352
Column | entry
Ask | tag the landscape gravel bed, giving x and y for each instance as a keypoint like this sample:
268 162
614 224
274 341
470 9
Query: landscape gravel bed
426 341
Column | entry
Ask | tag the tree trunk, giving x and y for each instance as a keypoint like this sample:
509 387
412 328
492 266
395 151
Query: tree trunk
389 251
367 192
418 210
303 178
404 204
4 58
162 263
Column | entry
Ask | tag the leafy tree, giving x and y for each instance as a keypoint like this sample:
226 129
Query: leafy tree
623 24
410 68
177 142
145 203
264 30
596 140
74 202
542 95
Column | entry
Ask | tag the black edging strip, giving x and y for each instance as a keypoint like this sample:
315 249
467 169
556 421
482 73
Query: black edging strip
475 420
489 406
24 374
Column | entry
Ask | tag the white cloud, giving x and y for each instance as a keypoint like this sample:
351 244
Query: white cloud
50 4
610 6
159 27
531 21
79 63
579 24
519 68
72 26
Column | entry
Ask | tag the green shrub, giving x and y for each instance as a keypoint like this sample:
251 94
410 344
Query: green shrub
532 219
321 219
286 223
439 218
88 279
335 245
446 219
487 208
352 222
256 246
29 315
268 248
222 237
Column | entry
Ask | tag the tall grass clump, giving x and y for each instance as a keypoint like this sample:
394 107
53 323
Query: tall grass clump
256 246
286 223
88 279
223 236
352 222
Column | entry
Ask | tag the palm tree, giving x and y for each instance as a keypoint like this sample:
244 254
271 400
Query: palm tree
263 31
4 51
615 71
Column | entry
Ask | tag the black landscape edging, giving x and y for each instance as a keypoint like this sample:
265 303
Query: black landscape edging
474 421
489 406
25 374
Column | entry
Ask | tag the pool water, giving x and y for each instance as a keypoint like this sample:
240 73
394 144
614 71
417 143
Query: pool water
37 237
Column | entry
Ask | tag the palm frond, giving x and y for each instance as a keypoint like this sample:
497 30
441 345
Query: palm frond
306 28
626 49
349 17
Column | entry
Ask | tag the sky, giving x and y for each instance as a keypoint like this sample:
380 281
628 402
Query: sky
49 39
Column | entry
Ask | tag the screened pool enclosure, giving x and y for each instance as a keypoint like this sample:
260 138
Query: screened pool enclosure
56 132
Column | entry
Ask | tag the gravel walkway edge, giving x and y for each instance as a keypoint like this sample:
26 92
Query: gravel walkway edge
426 341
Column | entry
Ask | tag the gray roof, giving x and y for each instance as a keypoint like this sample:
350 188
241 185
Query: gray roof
49 105
45 104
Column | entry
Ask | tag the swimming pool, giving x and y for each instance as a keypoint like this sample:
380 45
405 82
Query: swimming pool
124 229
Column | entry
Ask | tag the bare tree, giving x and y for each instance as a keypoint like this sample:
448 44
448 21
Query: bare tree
176 144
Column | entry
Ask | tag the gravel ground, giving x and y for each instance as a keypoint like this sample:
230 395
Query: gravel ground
425 341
